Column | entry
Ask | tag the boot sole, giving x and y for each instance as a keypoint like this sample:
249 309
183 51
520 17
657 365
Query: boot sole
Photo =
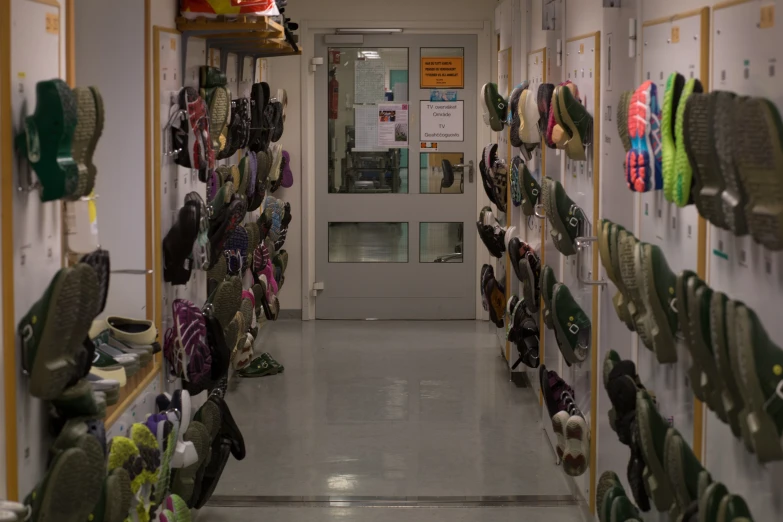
71 491
655 478
712 387
734 357
671 99
763 430
559 422
577 447
83 137
636 306
184 479
733 197
674 469
760 161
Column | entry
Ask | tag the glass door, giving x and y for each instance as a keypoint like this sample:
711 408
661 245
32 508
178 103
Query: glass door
395 194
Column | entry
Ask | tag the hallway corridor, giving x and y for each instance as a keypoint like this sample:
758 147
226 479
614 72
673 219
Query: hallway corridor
386 411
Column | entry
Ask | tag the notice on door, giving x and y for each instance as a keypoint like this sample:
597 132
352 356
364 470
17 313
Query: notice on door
442 121
438 73
393 125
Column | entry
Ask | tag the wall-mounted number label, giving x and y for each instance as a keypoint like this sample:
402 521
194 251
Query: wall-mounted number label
767 17
675 34
173 44
52 23
581 48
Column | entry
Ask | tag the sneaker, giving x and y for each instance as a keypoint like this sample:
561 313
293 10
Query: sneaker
573 326
707 183
627 253
607 481
493 237
496 299
643 161
683 195
547 286
622 119
259 99
529 131
186 348
608 247
624 510
555 134
613 492
516 191
495 107
671 101
531 192
514 113
658 291
544 101
578 122
523 332
178 245
191 141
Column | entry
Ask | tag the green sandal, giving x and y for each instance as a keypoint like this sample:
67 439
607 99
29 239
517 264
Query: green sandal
46 139
572 325
567 219
548 282
653 431
659 297
271 360
258 368
531 191
495 107
731 398
761 372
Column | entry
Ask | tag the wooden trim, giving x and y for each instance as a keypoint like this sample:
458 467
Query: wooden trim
596 34
115 412
509 273
153 301
542 325
543 49
679 16
53 3
594 390
70 42
730 3
7 225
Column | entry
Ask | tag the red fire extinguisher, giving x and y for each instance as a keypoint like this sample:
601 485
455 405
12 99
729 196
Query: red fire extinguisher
334 94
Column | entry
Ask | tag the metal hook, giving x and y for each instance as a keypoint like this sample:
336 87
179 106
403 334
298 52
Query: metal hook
167 151
582 244
539 211
131 271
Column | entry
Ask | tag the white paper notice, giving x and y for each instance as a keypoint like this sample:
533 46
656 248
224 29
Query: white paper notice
442 121
370 80
393 125
366 130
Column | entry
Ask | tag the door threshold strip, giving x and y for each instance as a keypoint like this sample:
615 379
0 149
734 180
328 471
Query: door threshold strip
238 501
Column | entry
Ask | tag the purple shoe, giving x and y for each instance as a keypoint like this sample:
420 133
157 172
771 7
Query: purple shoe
558 395
186 347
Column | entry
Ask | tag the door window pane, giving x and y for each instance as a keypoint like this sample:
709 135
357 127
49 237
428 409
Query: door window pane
440 242
359 80
368 242
434 179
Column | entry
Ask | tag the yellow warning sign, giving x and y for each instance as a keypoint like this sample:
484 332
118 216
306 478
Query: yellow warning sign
443 72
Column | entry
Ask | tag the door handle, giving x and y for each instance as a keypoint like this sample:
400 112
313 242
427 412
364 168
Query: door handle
462 166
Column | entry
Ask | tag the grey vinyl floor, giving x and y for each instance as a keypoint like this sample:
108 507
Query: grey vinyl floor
389 410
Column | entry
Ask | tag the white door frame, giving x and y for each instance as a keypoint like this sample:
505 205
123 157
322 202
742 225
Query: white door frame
308 32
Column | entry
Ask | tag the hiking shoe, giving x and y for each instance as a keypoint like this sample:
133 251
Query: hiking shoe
547 286
531 192
572 325
544 101
686 474
689 308
759 157
730 396
622 119
623 510
567 219
190 138
760 368
89 127
699 137
608 249
628 246
683 172
675 84
653 431
514 114
579 124
643 161
658 290
495 107
734 198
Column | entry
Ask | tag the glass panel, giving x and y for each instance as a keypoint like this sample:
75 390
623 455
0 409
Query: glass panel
368 242
359 80
433 180
440 242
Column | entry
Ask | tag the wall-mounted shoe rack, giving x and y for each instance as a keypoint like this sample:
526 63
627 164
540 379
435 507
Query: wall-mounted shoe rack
730 46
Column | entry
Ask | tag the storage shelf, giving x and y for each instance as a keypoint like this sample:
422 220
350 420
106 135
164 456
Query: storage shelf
258 36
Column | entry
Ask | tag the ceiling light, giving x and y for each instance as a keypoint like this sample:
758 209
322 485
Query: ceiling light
367 31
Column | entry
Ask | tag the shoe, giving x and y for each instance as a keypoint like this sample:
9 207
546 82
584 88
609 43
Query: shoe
555 133
576 457
734 198
579 125
643 161
493 237
192 133
567 220
627 253
132 331
558 396
658 291
573 326
178 245
686 475
675 84
89 127
529 131
734 508
623 510
710 502
636 465
699 136
211 77
759 158
186 348
112 346
100 262
108 387
547 285
54 329
258 368
516 191
149 472
235 251
115 500
608 247
759 365
731 398
608 480
183 480
622 119
544 101
496 298
690 319
566 408
653 431
683 173
531 192
495 107
523 332
514 116
614 491
620 382
46 140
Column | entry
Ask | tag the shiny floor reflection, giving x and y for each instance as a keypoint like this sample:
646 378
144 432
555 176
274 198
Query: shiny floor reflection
390 409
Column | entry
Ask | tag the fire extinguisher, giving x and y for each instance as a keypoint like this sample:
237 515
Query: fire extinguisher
334 94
